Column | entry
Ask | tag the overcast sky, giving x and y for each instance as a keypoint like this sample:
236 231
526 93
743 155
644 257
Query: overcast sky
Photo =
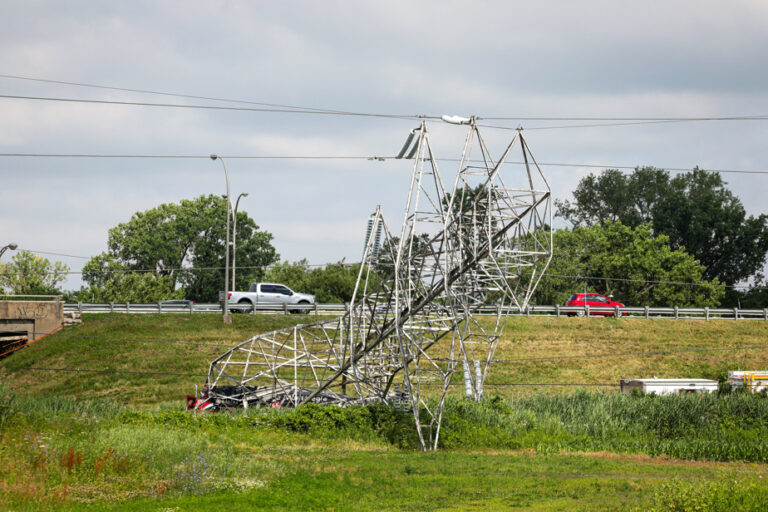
490 59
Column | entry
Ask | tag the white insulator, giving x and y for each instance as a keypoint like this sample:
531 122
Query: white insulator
455 119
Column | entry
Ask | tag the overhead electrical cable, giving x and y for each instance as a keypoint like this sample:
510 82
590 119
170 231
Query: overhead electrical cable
297 110
356 157
138 372
58 254
344 112
644 353
143 340
600 118
218 269
131 372
219 107
161 93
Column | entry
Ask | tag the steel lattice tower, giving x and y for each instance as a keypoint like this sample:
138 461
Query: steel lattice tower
485 244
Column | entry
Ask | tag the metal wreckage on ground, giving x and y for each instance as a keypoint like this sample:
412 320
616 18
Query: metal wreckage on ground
488 240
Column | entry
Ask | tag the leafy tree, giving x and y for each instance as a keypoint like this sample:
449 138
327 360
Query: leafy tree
644 270
111 281
615 196
331 284
171 239
695 210
701 215
293 275
29 274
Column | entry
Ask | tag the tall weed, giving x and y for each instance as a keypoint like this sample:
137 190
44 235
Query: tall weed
726 494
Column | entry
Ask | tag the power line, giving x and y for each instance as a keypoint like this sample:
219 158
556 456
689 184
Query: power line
525 359
143 340
630 354
220 107
161 93
629 123
485 118
58 254
136 372
212 269
29 342
153 270
130 372
292 110
198 157
355 157
601 118
645 281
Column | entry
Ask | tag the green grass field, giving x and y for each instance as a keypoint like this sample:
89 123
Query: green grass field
120 441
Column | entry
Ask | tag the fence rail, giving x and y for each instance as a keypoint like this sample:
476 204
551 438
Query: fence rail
557 311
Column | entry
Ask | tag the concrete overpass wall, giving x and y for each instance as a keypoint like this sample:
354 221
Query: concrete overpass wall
34 318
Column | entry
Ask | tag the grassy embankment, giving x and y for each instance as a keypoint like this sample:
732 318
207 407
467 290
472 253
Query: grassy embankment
64 441
125 343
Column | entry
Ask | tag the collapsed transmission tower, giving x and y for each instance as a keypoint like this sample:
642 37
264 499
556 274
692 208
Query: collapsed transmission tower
483 245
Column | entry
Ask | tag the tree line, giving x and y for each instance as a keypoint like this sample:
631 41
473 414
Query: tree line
645 237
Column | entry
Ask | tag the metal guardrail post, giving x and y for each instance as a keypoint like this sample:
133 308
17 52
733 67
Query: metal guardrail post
586 310
285 308
191 309
706 313
111 307
765 314
677 313
80 307
159 307
616 312
314 306
127 307
735 313
647 312
557 310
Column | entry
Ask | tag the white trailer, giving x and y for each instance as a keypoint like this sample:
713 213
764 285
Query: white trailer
669 386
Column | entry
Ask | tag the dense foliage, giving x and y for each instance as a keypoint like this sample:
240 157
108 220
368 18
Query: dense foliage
632 264
331 284
695 210
30 274
182 246
59 450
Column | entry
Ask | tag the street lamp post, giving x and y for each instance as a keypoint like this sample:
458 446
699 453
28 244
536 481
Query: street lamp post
227 319
234 239
12 246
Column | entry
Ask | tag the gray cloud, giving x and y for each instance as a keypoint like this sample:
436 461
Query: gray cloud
489 58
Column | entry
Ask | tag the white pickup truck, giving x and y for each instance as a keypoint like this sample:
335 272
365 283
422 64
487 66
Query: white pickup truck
264 295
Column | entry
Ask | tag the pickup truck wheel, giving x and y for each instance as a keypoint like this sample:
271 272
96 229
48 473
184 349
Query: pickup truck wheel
245 302
300 311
